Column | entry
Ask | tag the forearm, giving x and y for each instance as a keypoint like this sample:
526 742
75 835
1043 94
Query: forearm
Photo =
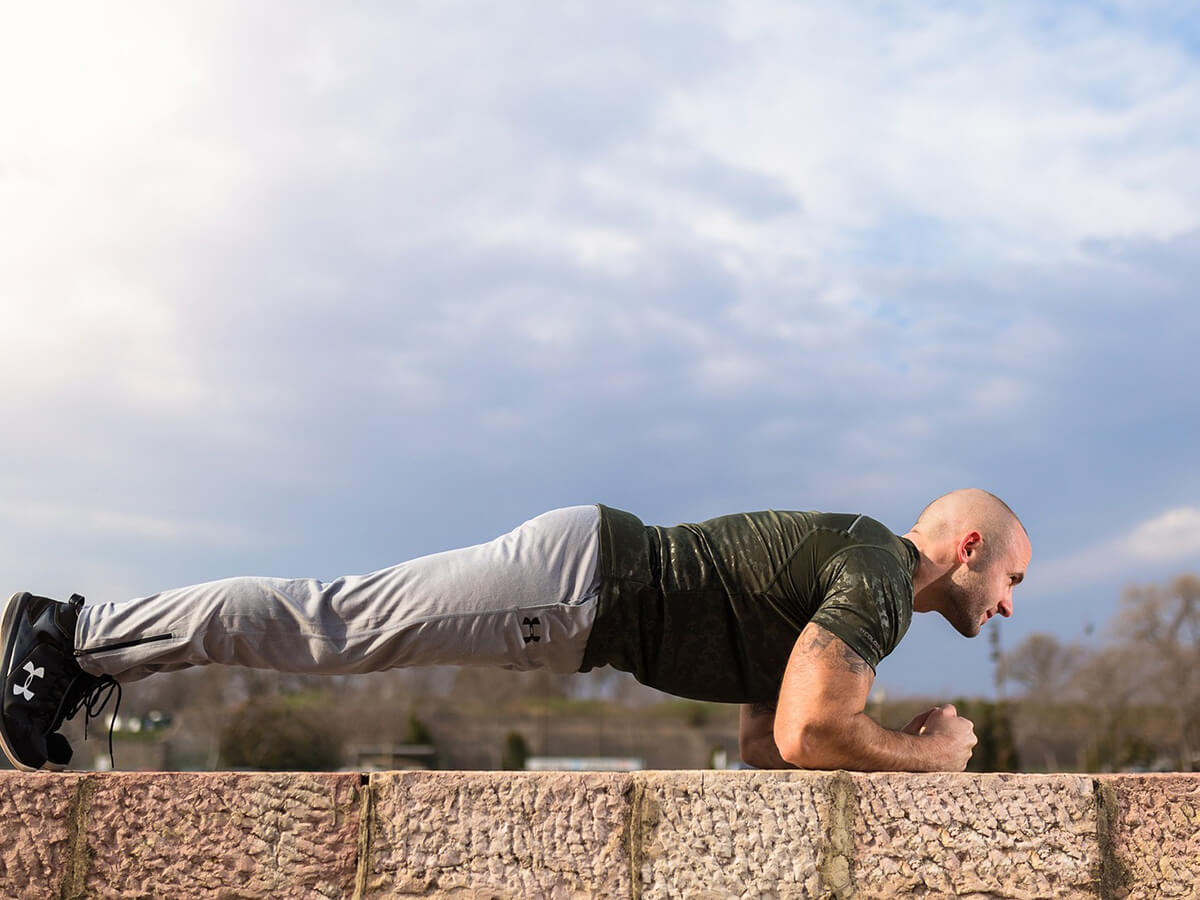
762 753
859 743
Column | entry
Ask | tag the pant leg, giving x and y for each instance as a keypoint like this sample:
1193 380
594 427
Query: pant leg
524 600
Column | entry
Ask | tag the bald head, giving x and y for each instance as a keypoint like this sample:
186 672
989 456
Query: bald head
971 509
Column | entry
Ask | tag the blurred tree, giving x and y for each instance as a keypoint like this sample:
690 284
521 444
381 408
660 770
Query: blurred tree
1163 624
1110 685
1041 666
281 732
479 688
996 749
515 752
418 732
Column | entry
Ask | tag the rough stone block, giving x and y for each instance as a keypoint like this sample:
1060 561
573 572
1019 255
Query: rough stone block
39 813
220 835
1015 836
574 835
836 834
499 835
734 834
1152 835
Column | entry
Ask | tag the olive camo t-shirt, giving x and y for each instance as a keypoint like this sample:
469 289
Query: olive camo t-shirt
711 611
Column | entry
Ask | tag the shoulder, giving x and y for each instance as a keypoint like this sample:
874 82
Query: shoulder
866 591
870 544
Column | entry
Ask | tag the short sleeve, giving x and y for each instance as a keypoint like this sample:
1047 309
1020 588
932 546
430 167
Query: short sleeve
867 601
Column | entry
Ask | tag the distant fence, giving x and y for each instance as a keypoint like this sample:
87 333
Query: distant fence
612 835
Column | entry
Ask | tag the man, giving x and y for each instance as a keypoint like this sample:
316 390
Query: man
787 613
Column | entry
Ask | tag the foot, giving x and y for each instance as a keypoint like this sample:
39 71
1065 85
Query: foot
43 684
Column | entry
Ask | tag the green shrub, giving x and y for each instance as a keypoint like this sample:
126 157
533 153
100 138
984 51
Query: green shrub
291 732
515 752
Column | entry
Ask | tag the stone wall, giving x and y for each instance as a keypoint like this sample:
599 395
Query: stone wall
568 835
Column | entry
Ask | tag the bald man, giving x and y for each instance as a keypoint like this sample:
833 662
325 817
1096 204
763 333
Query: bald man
786 613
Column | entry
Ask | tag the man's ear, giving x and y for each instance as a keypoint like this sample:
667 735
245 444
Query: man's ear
969 545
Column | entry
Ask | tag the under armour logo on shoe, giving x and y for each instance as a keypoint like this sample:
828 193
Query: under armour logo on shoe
531 626
23 689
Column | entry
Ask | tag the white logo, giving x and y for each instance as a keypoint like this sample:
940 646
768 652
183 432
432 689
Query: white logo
23 689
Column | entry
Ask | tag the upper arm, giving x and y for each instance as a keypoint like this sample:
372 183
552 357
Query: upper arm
825 683
866 600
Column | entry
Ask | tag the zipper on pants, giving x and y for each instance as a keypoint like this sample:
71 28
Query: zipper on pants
125 645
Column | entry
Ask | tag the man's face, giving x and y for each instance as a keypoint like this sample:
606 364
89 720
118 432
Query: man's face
975 593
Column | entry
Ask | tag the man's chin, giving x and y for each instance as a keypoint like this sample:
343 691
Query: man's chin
968 629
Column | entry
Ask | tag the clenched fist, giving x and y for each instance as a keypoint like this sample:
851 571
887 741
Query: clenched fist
955 734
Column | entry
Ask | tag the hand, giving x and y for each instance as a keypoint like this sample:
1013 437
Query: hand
955 732
914 727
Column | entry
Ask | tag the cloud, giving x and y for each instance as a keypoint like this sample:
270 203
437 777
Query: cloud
386 275
1169 538
1172 536
967 118
66 520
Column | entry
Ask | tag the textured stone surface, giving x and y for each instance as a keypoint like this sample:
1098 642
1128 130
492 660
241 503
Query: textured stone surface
1153 833
39 812
575 835
837 834
734 834
499 834
228 835
1016 836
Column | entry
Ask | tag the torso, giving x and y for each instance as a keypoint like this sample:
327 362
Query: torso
711 610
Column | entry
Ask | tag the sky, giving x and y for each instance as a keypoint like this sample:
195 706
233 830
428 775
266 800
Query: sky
307 289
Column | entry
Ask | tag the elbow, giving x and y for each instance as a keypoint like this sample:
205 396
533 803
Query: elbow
801 753
808 746
756 752
751 757
746 748
757 749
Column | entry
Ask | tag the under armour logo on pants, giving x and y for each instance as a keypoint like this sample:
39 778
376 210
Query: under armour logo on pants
531 626
23 689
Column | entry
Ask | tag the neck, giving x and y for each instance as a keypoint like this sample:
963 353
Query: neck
928 570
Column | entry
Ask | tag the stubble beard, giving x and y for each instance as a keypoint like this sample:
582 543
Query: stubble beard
965 608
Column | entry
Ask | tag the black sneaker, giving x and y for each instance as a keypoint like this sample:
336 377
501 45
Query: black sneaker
43 685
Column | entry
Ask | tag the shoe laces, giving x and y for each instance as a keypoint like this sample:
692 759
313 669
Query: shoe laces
94 699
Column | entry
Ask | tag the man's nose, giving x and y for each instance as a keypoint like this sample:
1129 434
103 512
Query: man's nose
1006 608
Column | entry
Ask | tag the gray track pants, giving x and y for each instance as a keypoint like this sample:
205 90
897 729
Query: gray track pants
525 600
